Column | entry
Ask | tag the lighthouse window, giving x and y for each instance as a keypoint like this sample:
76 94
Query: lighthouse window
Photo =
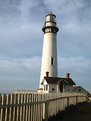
46 30
53 89
51 18
48 18
49 29
46 87
51 60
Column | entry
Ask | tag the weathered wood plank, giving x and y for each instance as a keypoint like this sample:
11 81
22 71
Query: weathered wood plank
35 107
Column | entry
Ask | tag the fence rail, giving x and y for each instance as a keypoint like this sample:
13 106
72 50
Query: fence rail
35 107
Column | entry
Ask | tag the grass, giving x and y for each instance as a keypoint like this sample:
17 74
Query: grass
80 112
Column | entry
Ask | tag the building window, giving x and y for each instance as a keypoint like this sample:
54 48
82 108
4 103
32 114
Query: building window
79 90
46 87
53 89
51 61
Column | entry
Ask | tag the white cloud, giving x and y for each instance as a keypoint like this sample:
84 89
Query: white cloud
18 73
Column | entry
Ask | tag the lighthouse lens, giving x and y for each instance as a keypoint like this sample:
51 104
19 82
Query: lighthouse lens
50 18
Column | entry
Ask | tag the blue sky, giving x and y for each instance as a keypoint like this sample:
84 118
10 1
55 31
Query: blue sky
21 41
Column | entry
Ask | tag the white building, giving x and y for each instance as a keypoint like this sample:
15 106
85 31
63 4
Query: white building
49 55
59 85
56 84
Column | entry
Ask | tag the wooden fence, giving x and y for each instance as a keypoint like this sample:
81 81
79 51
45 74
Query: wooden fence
35 107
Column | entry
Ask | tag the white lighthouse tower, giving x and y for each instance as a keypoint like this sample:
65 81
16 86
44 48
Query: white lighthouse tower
49 55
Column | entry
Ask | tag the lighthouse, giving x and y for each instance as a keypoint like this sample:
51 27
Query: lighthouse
49 56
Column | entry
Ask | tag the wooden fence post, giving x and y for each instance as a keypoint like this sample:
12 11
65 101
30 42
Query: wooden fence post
67 101
76 99
2 102
46 110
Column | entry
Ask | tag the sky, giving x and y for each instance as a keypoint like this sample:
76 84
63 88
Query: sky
21 41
